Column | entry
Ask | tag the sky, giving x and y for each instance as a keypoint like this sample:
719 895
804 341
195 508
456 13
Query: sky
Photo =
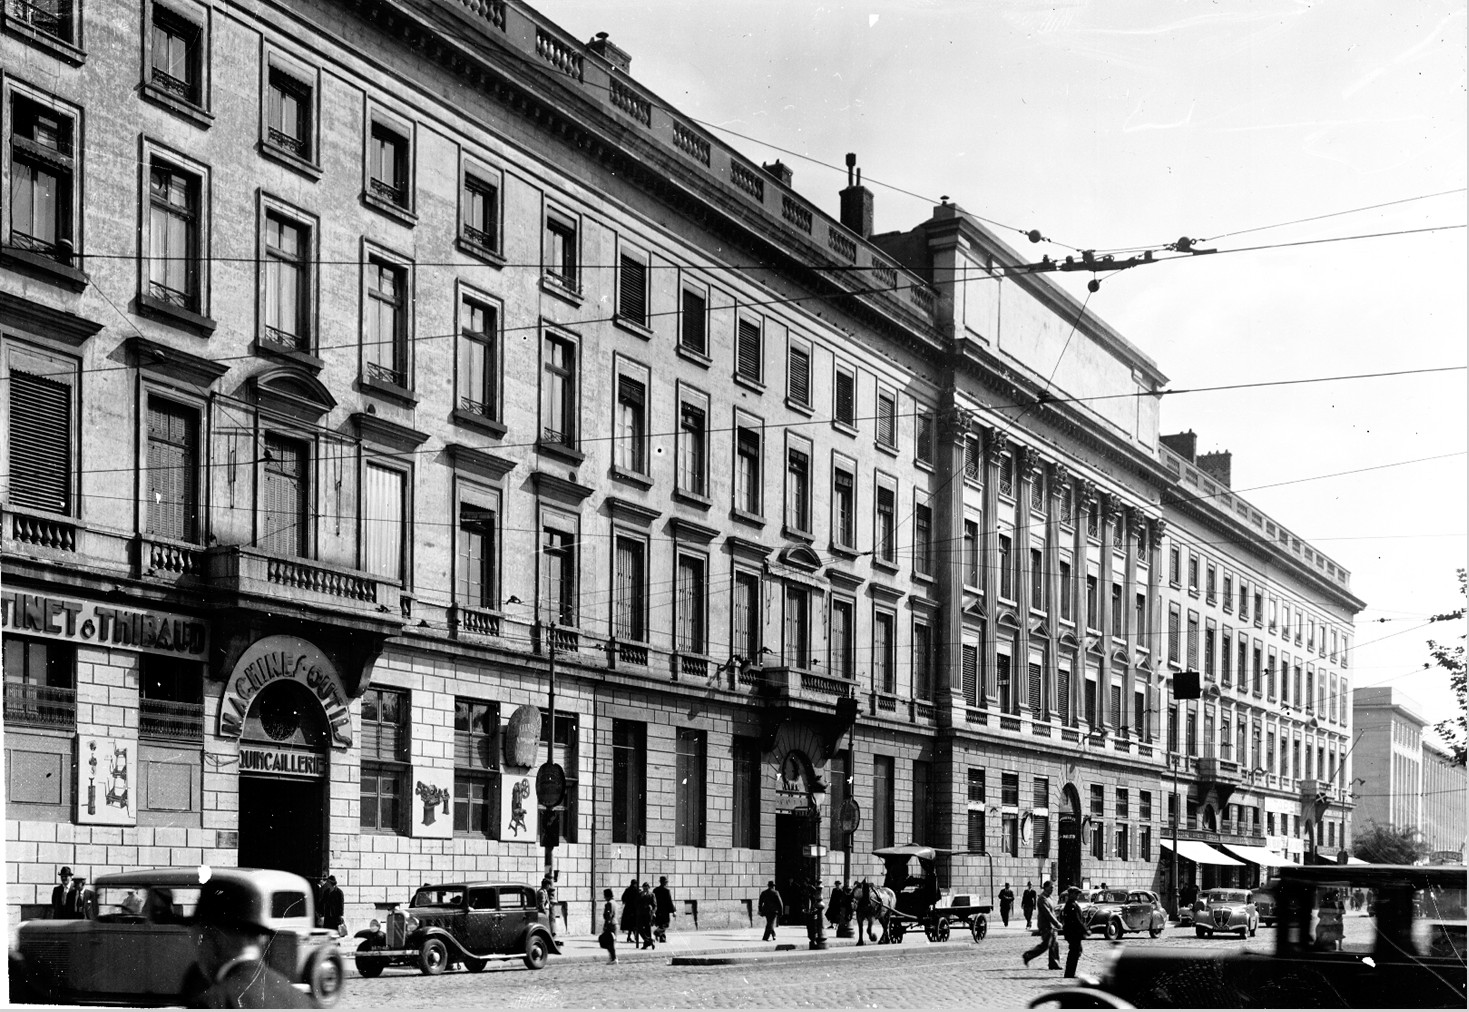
1110 125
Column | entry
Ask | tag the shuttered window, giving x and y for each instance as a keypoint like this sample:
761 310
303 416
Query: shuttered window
887 419
382 519
747 350
1034 673
975 830
172 505
885 521
632 291
799 386
846 398
283 492
690 604
922 662
40 443
693 330
630 604
971 675
1063 698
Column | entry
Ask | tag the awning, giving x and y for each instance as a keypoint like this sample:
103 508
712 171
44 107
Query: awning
1201 853
1259 855
1354 860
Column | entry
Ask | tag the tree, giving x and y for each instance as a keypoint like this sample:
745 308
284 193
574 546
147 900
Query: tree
1455 730
1380 844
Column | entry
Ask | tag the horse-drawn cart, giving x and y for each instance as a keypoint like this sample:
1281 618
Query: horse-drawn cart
908 901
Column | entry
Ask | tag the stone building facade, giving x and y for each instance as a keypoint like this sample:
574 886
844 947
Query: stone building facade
382 377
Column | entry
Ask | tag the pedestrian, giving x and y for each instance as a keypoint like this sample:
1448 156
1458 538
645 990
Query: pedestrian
333 907
838 908
1027 903
1049 924
630 899
770 908
608 938
59 910
1007 900
814 911
230 969
647 910
80 899
1073 927
546 900
663 911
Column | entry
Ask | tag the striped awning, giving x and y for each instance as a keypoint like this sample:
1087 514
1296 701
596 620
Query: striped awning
1259 855
1201 853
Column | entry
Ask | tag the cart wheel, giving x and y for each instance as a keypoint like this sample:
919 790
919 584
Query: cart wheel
980 926
931 932
895 932
943 930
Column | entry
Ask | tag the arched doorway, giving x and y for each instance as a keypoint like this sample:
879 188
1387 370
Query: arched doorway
284 759
1068 839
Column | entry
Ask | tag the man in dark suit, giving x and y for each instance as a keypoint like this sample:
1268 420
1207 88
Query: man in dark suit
59 909
770 908
1073 927
1007 900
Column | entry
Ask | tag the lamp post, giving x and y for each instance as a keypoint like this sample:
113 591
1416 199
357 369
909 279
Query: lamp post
1174 760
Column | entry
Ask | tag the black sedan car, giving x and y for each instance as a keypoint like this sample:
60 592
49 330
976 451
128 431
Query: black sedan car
1116 912
465 924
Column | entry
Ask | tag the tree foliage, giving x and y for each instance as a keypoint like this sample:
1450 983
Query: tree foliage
1455 729
1380 844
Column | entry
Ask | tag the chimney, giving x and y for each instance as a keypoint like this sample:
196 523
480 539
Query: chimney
613 54
1216 466
1182 443
856 201
779 170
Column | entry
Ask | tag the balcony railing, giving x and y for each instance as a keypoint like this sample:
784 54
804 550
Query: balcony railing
53 19
41 247
475 621
287 142
162 718
169 294
386 374
482 238
43 531
173 85
393 193
168 559
40 705
692 666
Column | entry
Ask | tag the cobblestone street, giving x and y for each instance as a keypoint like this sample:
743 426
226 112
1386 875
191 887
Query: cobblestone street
988 974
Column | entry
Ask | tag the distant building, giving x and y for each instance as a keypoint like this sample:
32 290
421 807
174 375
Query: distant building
1445 822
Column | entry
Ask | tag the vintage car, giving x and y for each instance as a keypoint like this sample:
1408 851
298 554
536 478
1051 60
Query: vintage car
138 943
1409 954
463 923
1263 896
1115 912
1221 910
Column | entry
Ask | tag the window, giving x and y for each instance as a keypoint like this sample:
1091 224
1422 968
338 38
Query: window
176 64
922 661
1175 619
1037 580
1259 607
883 829
1120 850
172 497
884 677
632 288
1066 590
43 207
287 268
747 618
689 788
632 425
1140 619
922 539
746 794
1193 573
1007 476
40 683
476 768
975 811
693 333
1063 698
562 252
1093 603
1116 609
971 553
384 760
629 747
559 392
1002 683
1093 718
288 114
797 645
843 508
477 365
476 571
1033 674
1145 843
690 605
1228 595
843 631
56 18
1256 667
844 407
747 469
1244 602
839 776
558 562
1007 582
387 167
173 237
479 212
1226 658
798 488
972 457
170 698
693 455
887 419
563 753
1193 641
922 820
971 675
885 520
923 438
630 595
1010 833
383 513
748 350
385 323
798 375
1173 566
1209 584
284 496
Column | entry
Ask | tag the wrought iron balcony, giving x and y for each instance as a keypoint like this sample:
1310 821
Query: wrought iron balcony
40 705
162 718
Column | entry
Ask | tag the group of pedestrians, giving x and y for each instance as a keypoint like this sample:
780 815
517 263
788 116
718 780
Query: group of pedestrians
71 898
1069 924
646 914
1027 903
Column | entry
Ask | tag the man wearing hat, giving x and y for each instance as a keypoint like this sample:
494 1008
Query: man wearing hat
769 908
1073 927
230 969
59 910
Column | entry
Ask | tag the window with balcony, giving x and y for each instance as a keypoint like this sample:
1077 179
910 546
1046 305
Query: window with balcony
1007 476
922 660
630 589
797 627
170 699
477 361
479 211
42 20
747 617
288 269
748 471
389 183
973 458
970 674
171 503
559 392
558 568
174 229
691 602
40 683
842 639
884 673
477 768
175 57
384 756
289 110
285 493
1004 690
43 180
843 508
693 449
385 324
384 518
477 555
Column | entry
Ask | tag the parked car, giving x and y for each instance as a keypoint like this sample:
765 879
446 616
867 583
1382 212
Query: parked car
1220 910
138 941
1263 896
462 923
1410 954
1115 912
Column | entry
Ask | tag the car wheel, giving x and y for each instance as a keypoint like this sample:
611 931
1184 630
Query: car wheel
1112 930
1200 932
1155 932
369 966
324 975
476 965
433 958
536 952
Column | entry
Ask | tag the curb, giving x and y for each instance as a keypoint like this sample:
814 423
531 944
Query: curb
799 955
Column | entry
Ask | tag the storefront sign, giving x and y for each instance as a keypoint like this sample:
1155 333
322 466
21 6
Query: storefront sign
103 625
106 781
433 800
517 811
281 762
272 658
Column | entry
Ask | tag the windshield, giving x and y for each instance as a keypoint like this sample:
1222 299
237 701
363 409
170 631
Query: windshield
439 896
1227 896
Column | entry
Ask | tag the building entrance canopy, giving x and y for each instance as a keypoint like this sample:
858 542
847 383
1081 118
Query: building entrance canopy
1259 855
1201 853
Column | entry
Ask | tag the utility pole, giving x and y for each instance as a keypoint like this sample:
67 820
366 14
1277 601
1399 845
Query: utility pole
552 824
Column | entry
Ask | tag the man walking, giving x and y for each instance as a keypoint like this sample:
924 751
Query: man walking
333 906
1073 926
770 907
1049 925
1007 900
664 911
1027 903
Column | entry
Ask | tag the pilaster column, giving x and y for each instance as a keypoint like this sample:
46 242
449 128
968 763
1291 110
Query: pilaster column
994 449
1027 472
1060 479
955 423
1153 610
1086 495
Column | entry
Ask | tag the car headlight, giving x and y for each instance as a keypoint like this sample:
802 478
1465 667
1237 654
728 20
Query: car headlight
411 924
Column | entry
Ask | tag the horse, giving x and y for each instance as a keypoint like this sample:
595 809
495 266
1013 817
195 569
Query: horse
873 904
